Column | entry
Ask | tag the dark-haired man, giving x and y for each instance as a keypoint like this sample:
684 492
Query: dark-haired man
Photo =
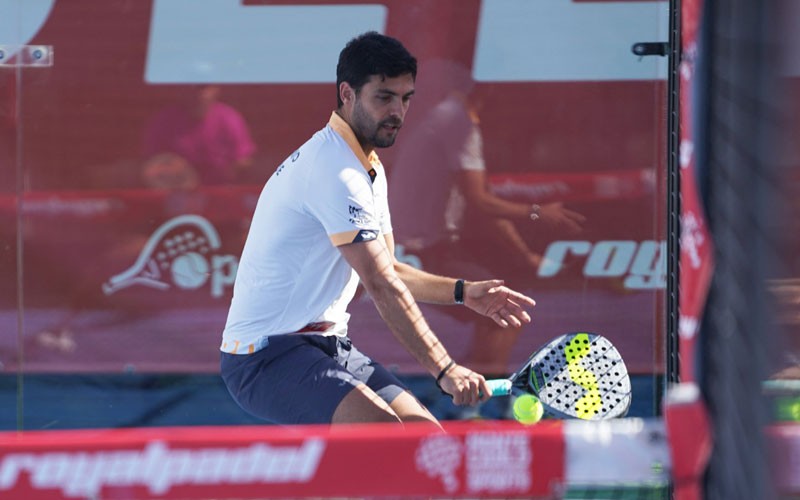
321 224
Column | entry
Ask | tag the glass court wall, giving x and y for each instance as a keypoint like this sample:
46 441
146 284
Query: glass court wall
135 138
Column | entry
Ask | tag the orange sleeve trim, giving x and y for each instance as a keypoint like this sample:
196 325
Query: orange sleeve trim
340 239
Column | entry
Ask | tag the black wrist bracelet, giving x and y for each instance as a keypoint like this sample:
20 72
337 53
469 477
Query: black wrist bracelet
443 373
458 292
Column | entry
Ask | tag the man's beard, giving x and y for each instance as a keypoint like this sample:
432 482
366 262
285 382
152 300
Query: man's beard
367 131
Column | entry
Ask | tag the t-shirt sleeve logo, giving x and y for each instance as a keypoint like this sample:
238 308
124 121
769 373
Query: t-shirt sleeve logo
359 216
365 235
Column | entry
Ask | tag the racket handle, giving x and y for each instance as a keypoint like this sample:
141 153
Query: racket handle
500 387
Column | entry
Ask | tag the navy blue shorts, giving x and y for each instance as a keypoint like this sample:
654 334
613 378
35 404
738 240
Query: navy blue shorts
302 378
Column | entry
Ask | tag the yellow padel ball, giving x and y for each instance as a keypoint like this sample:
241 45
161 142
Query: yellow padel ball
528 409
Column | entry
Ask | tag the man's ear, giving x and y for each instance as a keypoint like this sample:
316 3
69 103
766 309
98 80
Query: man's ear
346 92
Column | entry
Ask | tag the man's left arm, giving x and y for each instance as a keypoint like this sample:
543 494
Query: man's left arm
489 298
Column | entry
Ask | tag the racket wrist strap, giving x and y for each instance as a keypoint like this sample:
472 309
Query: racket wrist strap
443 373
458 291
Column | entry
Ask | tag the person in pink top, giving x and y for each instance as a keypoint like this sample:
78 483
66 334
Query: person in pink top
212 136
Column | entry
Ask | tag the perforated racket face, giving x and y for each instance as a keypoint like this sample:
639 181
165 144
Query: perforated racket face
579 375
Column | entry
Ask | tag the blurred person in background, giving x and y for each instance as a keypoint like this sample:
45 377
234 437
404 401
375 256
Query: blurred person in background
446 214
211 136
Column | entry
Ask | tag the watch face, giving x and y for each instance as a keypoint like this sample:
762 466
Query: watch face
458 292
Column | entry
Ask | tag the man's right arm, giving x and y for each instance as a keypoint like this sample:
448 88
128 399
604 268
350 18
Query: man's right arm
374 265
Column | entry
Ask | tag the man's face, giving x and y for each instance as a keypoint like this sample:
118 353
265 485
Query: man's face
379 109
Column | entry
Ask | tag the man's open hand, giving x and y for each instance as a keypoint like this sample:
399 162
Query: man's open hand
504 305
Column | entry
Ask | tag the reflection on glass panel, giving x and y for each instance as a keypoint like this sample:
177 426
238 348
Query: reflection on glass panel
143 150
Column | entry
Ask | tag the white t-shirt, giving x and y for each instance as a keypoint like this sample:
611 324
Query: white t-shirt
291 277
470 158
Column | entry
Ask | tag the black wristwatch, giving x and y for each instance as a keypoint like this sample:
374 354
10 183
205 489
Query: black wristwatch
458 292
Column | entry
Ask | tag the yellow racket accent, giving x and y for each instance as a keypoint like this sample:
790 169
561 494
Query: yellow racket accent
575 350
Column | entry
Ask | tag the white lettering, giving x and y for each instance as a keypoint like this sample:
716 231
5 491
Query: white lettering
644 264
649 268
692 239
301 467
686 149
440 456
209 468
498 462
530 191
55 470
224 273
687 327
610 258
226 42
20 21
158 468
564 40
555 254
85 207
12 465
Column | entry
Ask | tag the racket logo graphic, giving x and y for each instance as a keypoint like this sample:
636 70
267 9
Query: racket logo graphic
440 456
181 252
577 349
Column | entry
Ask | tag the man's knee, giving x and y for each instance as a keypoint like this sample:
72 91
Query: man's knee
362 405
409 409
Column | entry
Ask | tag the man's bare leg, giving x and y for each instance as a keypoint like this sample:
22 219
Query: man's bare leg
409 409
362 405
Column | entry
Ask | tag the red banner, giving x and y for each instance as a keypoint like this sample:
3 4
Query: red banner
470 460
696 261
491 460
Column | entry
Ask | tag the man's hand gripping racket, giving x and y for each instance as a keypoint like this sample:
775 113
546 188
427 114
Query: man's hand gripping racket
576 375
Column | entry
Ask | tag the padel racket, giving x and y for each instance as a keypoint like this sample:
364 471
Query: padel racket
577 375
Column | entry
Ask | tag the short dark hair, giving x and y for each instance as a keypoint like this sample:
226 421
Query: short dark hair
372 54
